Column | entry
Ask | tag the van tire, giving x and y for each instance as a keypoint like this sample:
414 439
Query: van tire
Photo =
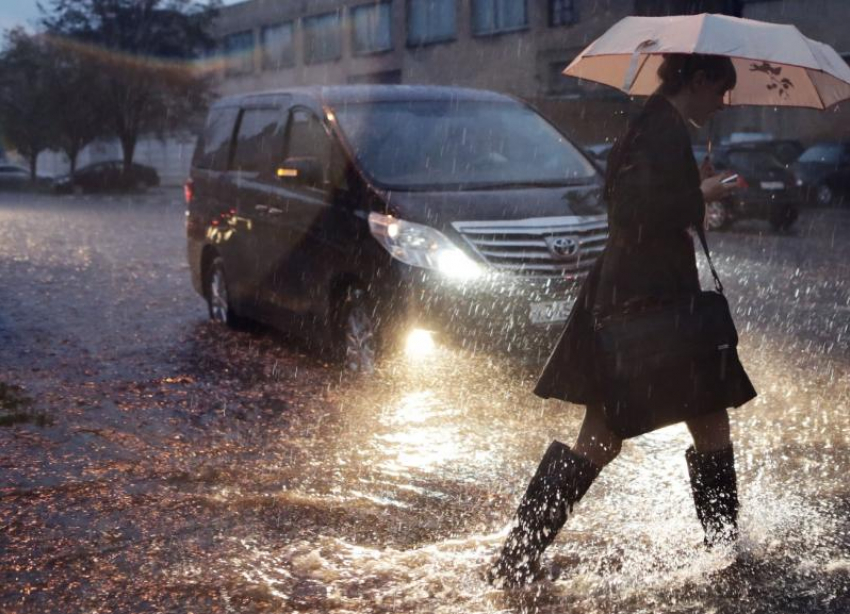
217 294
356 342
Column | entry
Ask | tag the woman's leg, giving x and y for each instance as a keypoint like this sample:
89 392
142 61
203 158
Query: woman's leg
596 442
711 431
714 483
561 480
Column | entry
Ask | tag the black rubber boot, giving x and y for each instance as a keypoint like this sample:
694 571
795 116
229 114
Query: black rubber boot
715 488
560 482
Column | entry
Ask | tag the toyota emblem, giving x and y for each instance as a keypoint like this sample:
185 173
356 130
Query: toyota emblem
562 247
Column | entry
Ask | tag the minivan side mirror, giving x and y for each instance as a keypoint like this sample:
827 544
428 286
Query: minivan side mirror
305 171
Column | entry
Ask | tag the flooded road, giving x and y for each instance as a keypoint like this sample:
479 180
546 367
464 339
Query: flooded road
153 462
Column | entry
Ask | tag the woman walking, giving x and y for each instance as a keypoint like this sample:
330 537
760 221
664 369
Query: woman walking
655 193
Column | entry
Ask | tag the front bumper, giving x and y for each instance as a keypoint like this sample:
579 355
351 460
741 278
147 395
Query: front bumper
508 312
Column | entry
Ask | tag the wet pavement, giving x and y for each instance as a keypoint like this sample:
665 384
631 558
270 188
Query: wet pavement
153 462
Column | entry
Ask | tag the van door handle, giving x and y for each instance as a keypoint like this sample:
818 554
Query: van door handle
275 210
261 208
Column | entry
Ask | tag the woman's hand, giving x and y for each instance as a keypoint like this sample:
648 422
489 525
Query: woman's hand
713 190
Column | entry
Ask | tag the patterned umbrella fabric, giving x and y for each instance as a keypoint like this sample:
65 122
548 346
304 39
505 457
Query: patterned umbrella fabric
776 64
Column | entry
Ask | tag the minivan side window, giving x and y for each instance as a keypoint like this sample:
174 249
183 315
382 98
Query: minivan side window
308 139
214 145
259 141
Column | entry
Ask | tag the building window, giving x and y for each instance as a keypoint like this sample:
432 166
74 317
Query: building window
655 8
371 28
431 21
276 42
562 12
495 16
322 38
239 51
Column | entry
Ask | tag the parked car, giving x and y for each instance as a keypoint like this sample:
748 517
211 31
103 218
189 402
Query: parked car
13 177
786 151
747 136
354 214
824 173
767 189
16 177
106 177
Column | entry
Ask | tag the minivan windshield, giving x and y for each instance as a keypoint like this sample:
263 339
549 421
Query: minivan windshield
426 144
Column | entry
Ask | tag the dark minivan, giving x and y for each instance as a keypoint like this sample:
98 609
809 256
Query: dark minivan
357 214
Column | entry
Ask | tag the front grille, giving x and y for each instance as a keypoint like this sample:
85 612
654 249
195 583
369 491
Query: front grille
539 247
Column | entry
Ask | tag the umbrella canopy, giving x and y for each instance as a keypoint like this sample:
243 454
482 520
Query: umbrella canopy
776 64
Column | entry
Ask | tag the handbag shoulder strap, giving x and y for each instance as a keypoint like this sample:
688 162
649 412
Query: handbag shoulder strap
717 284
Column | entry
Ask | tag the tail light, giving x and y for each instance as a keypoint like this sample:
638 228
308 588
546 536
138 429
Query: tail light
189 191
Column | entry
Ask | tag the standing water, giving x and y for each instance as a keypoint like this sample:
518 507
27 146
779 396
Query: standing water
183 467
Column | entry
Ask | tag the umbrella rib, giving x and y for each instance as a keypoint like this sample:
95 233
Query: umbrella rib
639 70
817 90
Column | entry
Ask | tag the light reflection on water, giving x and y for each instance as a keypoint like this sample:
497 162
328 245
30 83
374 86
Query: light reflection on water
443 449
419 437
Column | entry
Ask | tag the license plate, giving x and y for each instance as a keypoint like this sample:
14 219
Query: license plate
772 185
549 311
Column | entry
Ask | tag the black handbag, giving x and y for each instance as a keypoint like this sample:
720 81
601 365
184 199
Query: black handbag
665 361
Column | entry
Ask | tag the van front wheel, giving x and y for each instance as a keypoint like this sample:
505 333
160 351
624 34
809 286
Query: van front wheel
358 343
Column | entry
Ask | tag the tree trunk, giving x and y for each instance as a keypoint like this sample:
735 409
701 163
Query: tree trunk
33 165
72 154
128 148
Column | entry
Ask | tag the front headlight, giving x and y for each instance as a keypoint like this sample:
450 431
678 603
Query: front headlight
422 246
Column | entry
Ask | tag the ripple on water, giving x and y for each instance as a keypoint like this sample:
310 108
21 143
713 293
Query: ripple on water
647 562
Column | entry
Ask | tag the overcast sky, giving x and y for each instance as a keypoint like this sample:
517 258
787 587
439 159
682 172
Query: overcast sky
17 12
25 12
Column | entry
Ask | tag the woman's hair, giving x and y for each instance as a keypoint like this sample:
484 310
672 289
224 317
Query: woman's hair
678 70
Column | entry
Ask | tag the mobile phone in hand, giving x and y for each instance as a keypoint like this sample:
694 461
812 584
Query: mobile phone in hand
730 179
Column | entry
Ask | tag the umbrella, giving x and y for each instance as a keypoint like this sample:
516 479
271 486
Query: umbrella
776 64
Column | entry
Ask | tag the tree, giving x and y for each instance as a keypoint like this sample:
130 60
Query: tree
25 101
76 89
143 51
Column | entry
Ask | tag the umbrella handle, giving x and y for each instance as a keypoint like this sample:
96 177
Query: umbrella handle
632 72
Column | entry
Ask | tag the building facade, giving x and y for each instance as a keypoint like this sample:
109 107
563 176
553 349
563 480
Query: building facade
517 47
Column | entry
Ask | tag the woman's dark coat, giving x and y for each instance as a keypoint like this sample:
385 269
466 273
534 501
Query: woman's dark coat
654 197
